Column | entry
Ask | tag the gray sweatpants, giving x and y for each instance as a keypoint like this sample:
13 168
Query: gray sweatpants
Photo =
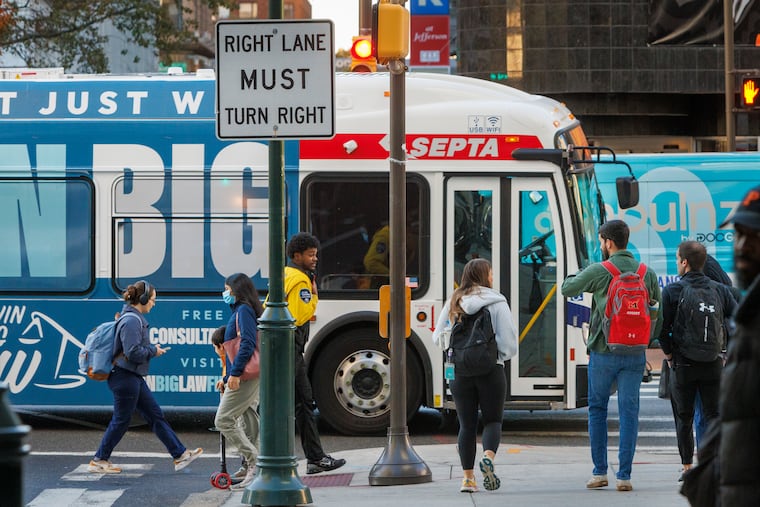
232 407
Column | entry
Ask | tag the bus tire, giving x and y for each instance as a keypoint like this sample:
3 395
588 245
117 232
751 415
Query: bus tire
351 382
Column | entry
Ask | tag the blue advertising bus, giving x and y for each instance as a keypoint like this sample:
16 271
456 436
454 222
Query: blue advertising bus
681 196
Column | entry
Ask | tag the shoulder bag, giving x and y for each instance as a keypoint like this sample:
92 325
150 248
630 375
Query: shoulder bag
664 389
231 347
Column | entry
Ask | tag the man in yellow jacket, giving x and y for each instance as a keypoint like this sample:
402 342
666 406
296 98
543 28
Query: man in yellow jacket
302 298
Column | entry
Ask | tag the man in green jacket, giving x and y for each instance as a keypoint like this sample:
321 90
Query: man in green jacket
605 368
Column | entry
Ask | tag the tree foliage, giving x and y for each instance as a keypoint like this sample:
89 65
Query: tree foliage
69 33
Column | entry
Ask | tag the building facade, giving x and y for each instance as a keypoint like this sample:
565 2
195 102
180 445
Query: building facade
595 57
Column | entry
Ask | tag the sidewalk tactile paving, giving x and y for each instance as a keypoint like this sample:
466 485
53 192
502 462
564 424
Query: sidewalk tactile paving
327 481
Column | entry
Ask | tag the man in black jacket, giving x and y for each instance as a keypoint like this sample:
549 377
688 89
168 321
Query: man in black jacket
736 464
740 385
694 373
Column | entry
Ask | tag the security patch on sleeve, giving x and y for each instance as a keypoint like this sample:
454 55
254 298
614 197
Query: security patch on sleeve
305 295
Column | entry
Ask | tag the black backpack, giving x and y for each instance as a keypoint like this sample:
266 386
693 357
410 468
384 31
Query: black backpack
698 329
473 344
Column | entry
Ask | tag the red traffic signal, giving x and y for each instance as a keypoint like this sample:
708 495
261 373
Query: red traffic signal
749 93
361 48
361 54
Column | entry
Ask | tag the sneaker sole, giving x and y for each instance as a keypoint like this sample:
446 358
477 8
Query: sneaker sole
490 481
102 471
319 470
181 466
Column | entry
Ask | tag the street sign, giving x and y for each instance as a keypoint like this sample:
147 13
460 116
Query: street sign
430 41
275 79
429 7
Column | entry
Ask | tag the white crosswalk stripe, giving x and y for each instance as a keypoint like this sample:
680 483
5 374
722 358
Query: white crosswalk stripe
80 473
76 497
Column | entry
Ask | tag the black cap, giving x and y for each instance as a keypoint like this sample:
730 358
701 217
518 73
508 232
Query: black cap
748 211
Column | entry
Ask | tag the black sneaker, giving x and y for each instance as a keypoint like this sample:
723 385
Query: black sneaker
324 465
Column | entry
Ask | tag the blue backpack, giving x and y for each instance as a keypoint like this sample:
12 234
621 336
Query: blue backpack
97 356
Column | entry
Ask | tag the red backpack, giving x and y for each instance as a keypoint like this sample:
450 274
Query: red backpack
627 322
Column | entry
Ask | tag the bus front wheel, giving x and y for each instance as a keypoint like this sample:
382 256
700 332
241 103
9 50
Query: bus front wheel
352 383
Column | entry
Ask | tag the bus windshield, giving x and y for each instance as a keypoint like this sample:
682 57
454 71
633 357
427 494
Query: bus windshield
587 215
586 199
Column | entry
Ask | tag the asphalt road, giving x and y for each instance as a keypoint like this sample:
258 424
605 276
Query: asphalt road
62 446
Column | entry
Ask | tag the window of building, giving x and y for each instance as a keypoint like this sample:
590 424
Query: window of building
248 10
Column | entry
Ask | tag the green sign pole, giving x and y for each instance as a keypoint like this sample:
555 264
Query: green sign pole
277 481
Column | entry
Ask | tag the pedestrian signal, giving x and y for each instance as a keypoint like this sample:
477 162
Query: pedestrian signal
749 93
361 54
390 31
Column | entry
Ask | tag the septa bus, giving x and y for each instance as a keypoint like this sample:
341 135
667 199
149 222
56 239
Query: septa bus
107 180
682 196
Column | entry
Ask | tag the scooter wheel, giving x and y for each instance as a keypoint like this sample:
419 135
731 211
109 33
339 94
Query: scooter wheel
220 480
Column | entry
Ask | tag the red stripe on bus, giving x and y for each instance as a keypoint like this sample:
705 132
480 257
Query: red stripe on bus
419 146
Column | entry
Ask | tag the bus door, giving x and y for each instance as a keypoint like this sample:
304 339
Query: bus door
511 222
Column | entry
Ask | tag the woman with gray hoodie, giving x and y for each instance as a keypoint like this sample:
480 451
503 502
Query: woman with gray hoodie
485 392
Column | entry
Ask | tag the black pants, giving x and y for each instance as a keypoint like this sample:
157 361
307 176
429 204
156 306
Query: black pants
487 392
306 421
690 377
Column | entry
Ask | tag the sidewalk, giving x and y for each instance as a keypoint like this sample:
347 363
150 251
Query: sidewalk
530 477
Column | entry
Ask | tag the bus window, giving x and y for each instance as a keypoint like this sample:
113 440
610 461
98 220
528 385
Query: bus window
174 242
349 215
47 230
473 227
537 291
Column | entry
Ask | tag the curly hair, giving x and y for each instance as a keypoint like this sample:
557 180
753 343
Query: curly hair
301 242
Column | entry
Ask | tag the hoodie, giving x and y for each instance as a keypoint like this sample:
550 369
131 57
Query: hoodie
501 317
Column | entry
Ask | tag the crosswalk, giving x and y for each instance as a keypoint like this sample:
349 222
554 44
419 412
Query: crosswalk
79 487
76 496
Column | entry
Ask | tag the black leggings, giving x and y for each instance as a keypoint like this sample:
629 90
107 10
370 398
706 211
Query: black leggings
487 392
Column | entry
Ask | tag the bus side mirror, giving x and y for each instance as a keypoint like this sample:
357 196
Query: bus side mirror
627 191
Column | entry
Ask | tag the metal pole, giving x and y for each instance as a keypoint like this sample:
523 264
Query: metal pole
728 57
277 481
399 463
365 17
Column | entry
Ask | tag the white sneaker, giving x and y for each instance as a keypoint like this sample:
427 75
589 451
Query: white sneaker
597 481
103 466
187 457
249 477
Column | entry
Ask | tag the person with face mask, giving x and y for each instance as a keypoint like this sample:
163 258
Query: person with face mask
240 396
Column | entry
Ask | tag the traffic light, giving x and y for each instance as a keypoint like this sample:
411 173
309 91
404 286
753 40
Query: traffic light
749 92
362 59
390 31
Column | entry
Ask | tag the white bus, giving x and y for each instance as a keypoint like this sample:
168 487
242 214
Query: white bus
105 180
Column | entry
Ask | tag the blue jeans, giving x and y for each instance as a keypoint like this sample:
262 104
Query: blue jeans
627 371
130 393
700 422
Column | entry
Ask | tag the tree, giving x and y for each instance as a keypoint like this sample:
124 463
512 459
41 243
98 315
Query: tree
68 33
